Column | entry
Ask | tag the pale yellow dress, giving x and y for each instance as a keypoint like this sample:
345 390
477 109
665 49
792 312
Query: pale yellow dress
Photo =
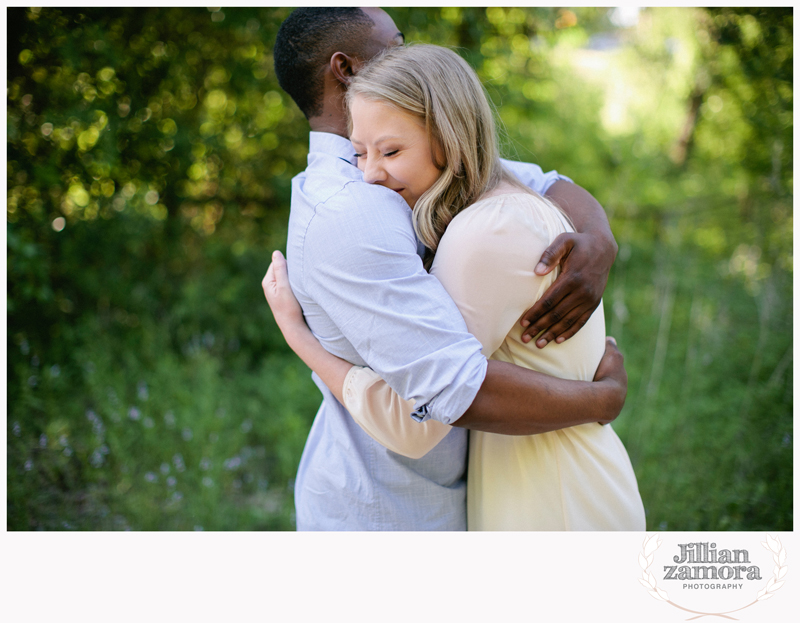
578 478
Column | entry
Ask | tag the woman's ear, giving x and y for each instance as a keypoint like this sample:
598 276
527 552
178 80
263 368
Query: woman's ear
344 67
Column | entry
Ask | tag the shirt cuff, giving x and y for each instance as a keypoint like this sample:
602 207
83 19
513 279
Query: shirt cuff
555 178
421 414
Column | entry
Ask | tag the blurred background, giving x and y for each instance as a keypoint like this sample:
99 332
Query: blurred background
150 153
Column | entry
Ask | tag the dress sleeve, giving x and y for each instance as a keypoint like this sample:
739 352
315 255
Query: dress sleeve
486 259
385 417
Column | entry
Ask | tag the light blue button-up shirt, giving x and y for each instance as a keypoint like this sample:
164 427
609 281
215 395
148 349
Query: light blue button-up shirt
355 267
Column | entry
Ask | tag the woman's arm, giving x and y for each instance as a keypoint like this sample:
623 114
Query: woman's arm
375 407
386 417
289 316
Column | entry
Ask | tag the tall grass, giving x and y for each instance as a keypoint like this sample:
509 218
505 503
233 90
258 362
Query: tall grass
149 428
708 418
132 430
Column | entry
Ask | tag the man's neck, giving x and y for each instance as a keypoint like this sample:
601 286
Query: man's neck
332 124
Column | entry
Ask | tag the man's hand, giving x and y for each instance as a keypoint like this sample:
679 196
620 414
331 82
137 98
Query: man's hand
611 371
573 296
586 259
516 401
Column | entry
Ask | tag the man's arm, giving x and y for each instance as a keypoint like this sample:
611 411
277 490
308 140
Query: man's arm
509 390
384 416
586 257
363 270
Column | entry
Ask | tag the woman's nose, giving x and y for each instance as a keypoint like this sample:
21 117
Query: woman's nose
373 172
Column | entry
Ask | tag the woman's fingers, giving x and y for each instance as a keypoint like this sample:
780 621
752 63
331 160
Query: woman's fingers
268 282
277 277
281 275
279 295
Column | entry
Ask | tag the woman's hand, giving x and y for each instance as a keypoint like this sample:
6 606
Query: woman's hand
289 316
282 301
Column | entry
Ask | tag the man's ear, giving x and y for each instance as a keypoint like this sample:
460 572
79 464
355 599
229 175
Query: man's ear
344 67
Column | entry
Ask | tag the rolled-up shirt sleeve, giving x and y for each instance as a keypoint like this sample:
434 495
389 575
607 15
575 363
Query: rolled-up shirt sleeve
533 177
361 266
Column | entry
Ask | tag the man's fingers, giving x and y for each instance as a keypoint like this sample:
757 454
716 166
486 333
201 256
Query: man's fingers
552 299
575 323
561 312
554 254
612 349
560 324
557 304
550 334
612 370
612 363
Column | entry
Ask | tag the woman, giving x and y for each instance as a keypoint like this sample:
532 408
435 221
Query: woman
422 126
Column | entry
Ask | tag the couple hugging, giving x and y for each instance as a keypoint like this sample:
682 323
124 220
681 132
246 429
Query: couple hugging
411 254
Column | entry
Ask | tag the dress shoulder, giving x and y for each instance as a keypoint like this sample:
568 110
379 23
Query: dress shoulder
508 216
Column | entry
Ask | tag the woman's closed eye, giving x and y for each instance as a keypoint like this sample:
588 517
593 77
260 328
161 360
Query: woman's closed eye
388 154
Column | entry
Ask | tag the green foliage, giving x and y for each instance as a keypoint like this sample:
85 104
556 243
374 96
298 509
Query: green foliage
153 439
150 153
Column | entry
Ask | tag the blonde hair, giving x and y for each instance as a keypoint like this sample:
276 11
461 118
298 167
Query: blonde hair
437 86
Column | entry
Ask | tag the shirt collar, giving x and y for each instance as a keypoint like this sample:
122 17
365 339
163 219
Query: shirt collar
332 144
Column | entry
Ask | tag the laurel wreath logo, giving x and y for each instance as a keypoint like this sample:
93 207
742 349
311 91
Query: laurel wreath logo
648 580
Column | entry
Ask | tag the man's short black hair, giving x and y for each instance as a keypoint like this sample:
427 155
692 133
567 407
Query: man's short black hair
305 43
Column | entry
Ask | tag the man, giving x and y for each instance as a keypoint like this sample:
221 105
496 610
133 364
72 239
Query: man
355 268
